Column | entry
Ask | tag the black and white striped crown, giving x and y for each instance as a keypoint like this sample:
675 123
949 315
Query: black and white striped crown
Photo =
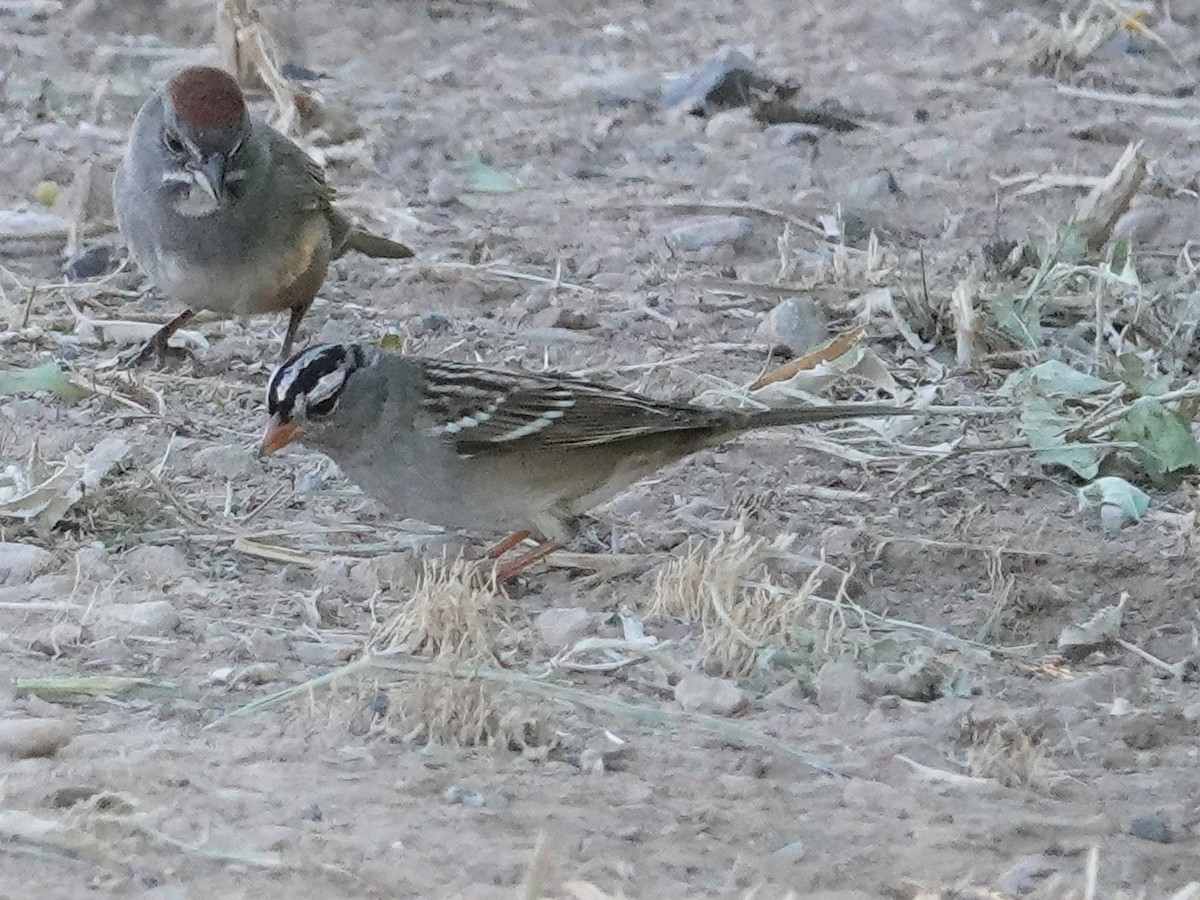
309 384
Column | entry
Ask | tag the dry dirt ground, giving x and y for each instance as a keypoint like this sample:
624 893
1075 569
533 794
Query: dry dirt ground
521 148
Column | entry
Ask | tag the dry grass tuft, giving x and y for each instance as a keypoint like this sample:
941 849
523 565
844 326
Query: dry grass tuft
466 713
1058 51
453 615
737 622
1000 749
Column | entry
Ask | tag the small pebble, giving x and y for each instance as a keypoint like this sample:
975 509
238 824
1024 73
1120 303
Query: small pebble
1151 828
791 852
90 263
93 564
464 797
840 686
26 738
312 653
730 125
432 323
258 673
311 813
1142 224
224 461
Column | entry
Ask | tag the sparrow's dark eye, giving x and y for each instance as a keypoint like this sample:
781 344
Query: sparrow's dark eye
174 144
323 407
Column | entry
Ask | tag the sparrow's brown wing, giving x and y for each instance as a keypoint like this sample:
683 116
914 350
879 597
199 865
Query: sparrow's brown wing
483 410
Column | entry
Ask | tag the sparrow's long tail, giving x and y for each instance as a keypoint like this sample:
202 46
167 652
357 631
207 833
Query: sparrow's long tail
375 245
801 415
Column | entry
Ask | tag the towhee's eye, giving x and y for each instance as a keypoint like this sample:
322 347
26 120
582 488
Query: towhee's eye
174 144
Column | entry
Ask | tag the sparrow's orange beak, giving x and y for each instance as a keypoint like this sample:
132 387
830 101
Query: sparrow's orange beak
278 435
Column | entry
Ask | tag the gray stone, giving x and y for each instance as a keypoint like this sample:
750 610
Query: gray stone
312 653
156 565
798 323
722 80
21 563
153 617
444 188
710 231
93 564
840 687
223 461
25 738
1142 224
787 134
560 628
701 693
731 125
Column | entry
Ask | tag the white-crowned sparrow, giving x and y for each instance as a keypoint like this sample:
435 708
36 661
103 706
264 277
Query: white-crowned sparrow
488 450
225 213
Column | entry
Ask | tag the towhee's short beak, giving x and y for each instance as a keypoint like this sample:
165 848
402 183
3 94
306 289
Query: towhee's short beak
278 435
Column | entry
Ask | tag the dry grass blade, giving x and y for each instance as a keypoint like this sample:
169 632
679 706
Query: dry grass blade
247 49
540 869
275 553
1097 213
966 322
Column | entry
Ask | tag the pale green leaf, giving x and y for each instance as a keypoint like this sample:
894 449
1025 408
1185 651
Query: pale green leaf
1113 491
1044 428
1054 377
484 179
49 376
1165 443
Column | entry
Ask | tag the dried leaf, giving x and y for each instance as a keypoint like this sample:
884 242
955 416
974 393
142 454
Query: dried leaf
829 351
1079 639
45 503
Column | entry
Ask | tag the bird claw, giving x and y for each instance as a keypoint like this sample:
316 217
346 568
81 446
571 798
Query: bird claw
158 349
509 571
159 352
